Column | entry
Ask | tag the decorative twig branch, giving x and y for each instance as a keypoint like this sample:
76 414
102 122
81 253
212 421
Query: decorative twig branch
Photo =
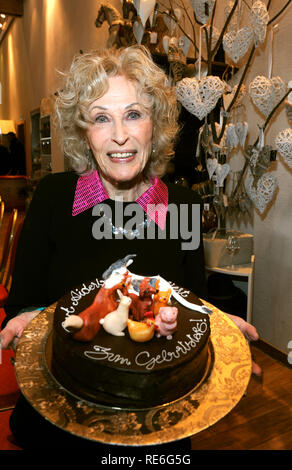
220 39
192 23
242 78
280 12
211 54
273 112
233 194
209 40
172 16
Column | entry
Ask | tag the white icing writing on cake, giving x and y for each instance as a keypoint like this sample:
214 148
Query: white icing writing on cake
77 294
143 359
180 290
102 353
182 348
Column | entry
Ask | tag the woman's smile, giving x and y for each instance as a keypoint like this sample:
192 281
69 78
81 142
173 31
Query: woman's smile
122 157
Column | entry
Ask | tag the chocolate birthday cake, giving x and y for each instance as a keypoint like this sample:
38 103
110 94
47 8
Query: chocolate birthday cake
129 341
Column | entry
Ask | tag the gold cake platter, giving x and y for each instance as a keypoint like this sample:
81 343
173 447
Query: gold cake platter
225 384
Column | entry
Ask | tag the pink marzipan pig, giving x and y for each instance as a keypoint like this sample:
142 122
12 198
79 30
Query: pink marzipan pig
165 321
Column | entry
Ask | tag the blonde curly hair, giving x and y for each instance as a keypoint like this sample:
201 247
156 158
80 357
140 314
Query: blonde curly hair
87 80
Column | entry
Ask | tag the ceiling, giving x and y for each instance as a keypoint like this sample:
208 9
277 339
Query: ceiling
9 9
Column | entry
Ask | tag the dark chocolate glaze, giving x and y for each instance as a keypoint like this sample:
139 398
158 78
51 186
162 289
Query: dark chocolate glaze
116 371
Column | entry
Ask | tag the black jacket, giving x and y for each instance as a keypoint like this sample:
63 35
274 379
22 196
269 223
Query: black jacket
57 252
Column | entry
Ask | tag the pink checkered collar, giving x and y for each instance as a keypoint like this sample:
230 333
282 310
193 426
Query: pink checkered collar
90 191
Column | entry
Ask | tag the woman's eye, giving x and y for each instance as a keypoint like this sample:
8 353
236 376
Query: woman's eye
100 119
134 115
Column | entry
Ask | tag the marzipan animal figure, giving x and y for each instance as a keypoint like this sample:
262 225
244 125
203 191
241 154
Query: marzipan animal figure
161 299
166 321
105 302
115 322
141 331
143 302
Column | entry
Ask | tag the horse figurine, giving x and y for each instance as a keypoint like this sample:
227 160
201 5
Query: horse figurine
129 10
120 29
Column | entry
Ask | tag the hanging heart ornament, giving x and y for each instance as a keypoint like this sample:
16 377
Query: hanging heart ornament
170 23
262 193
203 9
236 44
145 9
138 30
221 173
165 43
283 143
266 93
184 43
259 160
258 19
177 13
231 136
199 97
136 4
211 165
241 129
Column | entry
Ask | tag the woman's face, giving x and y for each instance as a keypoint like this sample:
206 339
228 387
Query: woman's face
121 134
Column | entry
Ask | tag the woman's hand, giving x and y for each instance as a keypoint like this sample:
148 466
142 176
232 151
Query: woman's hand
251 334
12 332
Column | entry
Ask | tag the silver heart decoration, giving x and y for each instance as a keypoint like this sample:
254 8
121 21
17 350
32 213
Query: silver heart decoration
241 129
146 7
184 43
136 4
283 143
221 173
202 13
138 30
263 192
211 165
231 136
199 97
165 43
236 44
260 159
177 13
170 23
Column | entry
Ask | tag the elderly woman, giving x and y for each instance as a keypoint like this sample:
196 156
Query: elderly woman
118 120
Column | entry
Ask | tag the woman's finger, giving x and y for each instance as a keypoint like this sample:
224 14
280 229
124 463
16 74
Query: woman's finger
6 337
